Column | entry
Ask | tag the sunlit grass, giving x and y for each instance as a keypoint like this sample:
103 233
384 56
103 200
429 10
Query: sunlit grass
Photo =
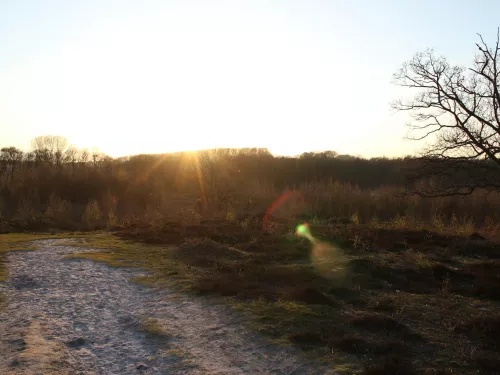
116 252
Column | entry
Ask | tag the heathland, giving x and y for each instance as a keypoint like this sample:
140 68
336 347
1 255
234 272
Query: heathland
414 286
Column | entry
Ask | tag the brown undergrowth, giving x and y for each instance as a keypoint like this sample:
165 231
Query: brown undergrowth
405 302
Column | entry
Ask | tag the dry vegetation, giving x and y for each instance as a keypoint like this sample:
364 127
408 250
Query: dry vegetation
408 301
69 189
420 288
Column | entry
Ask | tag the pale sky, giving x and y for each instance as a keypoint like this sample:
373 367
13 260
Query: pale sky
156 76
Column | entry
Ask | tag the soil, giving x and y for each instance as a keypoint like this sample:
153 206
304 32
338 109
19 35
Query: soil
75 316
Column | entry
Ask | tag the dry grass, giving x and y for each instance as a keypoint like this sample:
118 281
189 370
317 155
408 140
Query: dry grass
39 354
407 301
151 189
154 328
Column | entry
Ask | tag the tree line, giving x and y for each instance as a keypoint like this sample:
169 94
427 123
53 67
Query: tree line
63 186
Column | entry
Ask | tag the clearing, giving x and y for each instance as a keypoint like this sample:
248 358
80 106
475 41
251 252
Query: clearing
75 316
230 297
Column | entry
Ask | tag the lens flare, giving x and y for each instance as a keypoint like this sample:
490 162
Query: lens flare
328 259
303 230
199 174
290 200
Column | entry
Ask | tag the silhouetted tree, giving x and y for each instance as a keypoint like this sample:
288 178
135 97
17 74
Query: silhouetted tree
10 159
457 108
49 149
84 156
71 156
320 154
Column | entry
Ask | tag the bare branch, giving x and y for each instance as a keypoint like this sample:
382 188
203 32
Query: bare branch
461 109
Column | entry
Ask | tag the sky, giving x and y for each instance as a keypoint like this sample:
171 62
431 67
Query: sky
154 76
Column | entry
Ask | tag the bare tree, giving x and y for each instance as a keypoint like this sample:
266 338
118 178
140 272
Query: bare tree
83 156
49 148
71 156
320 154
96 156
458 110
10 159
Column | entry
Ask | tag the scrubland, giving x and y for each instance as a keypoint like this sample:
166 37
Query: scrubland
403 284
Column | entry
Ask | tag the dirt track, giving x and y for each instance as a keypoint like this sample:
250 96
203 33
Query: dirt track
68 316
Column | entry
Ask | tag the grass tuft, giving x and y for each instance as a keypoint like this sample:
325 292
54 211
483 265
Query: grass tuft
154 328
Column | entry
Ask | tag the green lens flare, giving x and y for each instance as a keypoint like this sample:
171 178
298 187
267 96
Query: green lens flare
303 230
328 259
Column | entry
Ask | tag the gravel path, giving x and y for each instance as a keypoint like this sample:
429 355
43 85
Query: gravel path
68 316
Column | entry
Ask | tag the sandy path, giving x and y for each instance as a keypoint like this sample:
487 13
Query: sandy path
80 317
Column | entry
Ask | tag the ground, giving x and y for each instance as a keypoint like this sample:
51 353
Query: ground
356 298
74 316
